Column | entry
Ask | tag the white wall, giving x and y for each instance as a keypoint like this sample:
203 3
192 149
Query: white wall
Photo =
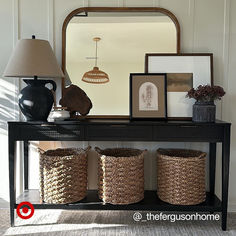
206 26
8 92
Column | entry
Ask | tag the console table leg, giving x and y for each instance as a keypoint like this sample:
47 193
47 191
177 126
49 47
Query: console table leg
12 188
26 165
212 166
225 175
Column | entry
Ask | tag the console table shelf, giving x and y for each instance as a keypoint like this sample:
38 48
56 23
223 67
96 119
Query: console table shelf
123 130
150 203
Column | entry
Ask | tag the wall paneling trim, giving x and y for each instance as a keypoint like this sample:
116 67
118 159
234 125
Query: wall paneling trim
202 30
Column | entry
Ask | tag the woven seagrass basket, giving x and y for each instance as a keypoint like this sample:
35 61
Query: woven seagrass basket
120 175
63 175
181 176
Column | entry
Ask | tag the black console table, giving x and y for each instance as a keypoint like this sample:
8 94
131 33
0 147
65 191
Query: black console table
123 130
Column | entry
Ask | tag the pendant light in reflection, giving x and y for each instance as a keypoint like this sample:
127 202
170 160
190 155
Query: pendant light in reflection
95 76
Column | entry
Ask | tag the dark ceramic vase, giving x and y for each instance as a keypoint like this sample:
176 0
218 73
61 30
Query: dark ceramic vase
35 100
204 111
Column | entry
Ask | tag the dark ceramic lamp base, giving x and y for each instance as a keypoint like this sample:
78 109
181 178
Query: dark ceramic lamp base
35 100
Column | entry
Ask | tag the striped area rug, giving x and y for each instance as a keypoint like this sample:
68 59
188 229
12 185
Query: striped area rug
108 223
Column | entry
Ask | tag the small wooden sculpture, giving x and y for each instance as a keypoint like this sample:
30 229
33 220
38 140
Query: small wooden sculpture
76 100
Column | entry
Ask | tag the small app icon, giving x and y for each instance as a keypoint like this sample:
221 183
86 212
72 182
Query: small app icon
25 210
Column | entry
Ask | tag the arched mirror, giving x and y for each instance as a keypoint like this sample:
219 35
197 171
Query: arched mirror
115 40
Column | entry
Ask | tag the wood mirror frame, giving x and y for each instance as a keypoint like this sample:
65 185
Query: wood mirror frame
113 9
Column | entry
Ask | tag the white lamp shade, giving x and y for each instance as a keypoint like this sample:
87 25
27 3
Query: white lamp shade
33 57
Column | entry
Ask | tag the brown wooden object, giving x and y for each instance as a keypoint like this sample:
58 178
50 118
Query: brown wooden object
76 100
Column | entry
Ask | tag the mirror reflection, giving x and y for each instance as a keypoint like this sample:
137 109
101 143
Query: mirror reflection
122 41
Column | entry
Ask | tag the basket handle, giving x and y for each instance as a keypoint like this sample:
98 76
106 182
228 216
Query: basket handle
97 149
87 149
203 154
144 151
41 151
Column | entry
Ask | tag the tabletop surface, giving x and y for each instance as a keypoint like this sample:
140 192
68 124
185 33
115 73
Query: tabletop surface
120 121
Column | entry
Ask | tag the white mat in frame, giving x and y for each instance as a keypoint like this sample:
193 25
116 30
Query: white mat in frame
199 64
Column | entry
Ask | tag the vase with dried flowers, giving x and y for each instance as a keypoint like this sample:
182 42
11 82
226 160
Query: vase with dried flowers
204 109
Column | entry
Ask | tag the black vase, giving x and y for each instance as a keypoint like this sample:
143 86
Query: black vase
35 100
204 111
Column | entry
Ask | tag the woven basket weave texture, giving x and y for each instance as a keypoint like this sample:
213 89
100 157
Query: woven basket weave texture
181 176
63 175
120 175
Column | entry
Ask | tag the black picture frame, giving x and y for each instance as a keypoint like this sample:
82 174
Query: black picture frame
164 93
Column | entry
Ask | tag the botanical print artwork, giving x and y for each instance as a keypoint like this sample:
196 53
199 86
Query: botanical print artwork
148 97
179 82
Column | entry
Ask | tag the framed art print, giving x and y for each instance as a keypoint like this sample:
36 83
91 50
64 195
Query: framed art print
184 71
148 98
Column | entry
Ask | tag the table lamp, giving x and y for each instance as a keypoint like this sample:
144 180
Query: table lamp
33 58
